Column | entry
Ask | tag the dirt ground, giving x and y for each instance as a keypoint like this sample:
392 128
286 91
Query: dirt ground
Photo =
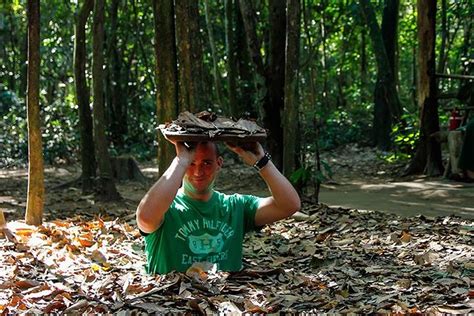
364 182
360 181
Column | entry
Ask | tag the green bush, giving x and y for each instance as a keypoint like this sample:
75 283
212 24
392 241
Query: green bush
13 130
344 127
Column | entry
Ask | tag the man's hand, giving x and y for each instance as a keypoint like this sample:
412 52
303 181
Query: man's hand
250 153
184 152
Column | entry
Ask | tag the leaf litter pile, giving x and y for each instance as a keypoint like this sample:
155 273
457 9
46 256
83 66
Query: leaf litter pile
334 260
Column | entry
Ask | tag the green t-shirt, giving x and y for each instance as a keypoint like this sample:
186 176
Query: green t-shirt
197 231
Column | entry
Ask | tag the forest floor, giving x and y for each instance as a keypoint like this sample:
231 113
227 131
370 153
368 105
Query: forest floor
378 243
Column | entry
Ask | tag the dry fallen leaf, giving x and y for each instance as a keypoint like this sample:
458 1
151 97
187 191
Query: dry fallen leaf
406 237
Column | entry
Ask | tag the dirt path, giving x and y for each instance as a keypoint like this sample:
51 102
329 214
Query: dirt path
363 181
410 198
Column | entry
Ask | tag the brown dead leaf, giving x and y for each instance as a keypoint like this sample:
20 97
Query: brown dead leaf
85 240
200 270
26 284
98 257
251 307
54 306
425 258
16 303
405 237
61 223
197 273
77 307
24 232
404 283
39 295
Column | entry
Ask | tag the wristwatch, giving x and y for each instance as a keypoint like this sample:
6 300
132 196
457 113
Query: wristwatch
262 162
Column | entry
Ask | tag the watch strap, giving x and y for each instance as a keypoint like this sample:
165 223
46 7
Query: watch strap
262 162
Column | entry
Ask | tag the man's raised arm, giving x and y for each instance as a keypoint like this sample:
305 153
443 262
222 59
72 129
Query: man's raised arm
155 203
284 200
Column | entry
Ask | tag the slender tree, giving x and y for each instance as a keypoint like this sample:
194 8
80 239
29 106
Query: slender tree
35 198
387 108
189 55
231 57
245 85
363 67
215 68
166 72
269 80
83 98
115 83
389 31
291 82
427 158
444 37
324 56
106 189
276 76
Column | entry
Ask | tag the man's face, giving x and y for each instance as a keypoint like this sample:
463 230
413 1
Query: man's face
204 168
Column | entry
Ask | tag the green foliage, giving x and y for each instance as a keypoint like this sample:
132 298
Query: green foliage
13 130
141 139
308 174
331 85
60 132
405 135
404 138
343 127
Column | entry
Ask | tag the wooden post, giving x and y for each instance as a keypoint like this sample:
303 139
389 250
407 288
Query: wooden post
455 140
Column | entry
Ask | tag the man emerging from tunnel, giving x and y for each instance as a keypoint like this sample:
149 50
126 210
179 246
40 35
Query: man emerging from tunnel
184 220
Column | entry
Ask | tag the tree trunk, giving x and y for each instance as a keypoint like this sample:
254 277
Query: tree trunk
253 43
444 36
390 33
105 187
166 72
189 56
291 86
88 162
35 198
384 115
269 85
244 65
231 57
13 54
467 47
312 56
215 71
324 63
427 158
116 98
342 75
414 77
23 67
259 72
276 78
364 86
387 106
